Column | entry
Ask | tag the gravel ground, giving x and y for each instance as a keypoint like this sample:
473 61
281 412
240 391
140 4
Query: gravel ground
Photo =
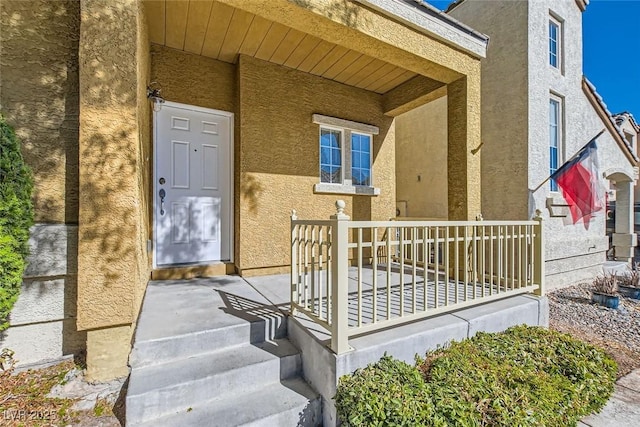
615 331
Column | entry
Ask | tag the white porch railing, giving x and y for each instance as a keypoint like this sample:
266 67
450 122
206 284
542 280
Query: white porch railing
353 277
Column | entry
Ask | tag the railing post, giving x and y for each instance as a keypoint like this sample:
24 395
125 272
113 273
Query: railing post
340 280
538 256
294 262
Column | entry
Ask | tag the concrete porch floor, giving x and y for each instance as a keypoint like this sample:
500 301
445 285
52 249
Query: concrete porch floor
209 312
204 304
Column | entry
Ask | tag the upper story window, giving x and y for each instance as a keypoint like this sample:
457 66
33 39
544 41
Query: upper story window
630 139
555 137
346 149
555 42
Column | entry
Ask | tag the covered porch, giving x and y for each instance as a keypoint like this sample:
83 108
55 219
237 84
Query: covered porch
293 73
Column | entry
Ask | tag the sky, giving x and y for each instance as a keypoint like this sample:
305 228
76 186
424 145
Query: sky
611 51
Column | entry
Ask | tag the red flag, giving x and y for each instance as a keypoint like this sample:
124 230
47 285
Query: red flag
579 182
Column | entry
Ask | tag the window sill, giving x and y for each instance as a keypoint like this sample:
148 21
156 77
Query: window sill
323 188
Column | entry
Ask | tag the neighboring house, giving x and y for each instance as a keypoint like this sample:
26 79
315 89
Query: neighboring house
278 94
537 111
631 131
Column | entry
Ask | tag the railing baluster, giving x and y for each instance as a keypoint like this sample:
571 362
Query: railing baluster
531 255
520 257
294 261
359 260
330 273
388 273
483 256
402 256
491 260
374 280
513 258
474 261
414 257
456 257
466 263
446 266
320 269
501 257
436 265
425 271
313 268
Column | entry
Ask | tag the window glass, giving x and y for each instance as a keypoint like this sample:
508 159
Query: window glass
554 32
330 156
554 139
360 159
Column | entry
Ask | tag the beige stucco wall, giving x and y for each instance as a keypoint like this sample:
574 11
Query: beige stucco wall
114 162
193 79
279 156
421 160
504 105
39 98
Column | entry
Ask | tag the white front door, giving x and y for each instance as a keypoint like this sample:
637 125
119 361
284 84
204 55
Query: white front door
192 201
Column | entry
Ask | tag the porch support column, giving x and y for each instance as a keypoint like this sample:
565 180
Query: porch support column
463 155
113 266
624 239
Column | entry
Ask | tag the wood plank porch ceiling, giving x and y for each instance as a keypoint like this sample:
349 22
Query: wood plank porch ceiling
218 31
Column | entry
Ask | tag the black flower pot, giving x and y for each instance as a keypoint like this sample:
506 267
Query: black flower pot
605 300
629 291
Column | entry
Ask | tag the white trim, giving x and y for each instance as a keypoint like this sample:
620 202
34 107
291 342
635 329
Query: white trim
335 122
342 152
361 190
433 26
188 107
346 128
560 133
370 158
557 21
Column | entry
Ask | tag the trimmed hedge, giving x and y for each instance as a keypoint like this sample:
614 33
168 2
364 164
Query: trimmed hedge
526 376
16 216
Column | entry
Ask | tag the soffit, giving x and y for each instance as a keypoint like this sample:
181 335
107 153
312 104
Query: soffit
218 31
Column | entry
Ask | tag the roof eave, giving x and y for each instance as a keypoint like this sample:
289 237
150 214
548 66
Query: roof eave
432 22
606 116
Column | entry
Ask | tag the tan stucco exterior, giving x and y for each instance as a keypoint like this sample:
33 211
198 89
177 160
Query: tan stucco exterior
39 98
279 152
421 161
92 149
114 174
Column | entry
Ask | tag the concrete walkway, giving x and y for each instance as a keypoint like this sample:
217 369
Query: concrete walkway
623 409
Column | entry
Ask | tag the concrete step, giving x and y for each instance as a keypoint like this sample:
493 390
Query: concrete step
161 350
160 389
286 403
187 318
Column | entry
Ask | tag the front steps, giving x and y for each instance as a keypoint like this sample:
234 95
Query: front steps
213 352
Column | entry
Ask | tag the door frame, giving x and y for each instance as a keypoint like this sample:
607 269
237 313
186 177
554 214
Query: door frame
154 189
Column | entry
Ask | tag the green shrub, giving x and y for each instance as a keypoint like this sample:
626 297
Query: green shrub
525 376
387 393
16 216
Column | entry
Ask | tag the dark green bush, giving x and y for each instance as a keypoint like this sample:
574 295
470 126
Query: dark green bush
16 216
525 376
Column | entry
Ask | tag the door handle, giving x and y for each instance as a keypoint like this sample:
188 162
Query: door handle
162 195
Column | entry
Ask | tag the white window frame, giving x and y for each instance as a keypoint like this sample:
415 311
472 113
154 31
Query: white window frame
347 128
560 137
342 151
553 20
370 156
